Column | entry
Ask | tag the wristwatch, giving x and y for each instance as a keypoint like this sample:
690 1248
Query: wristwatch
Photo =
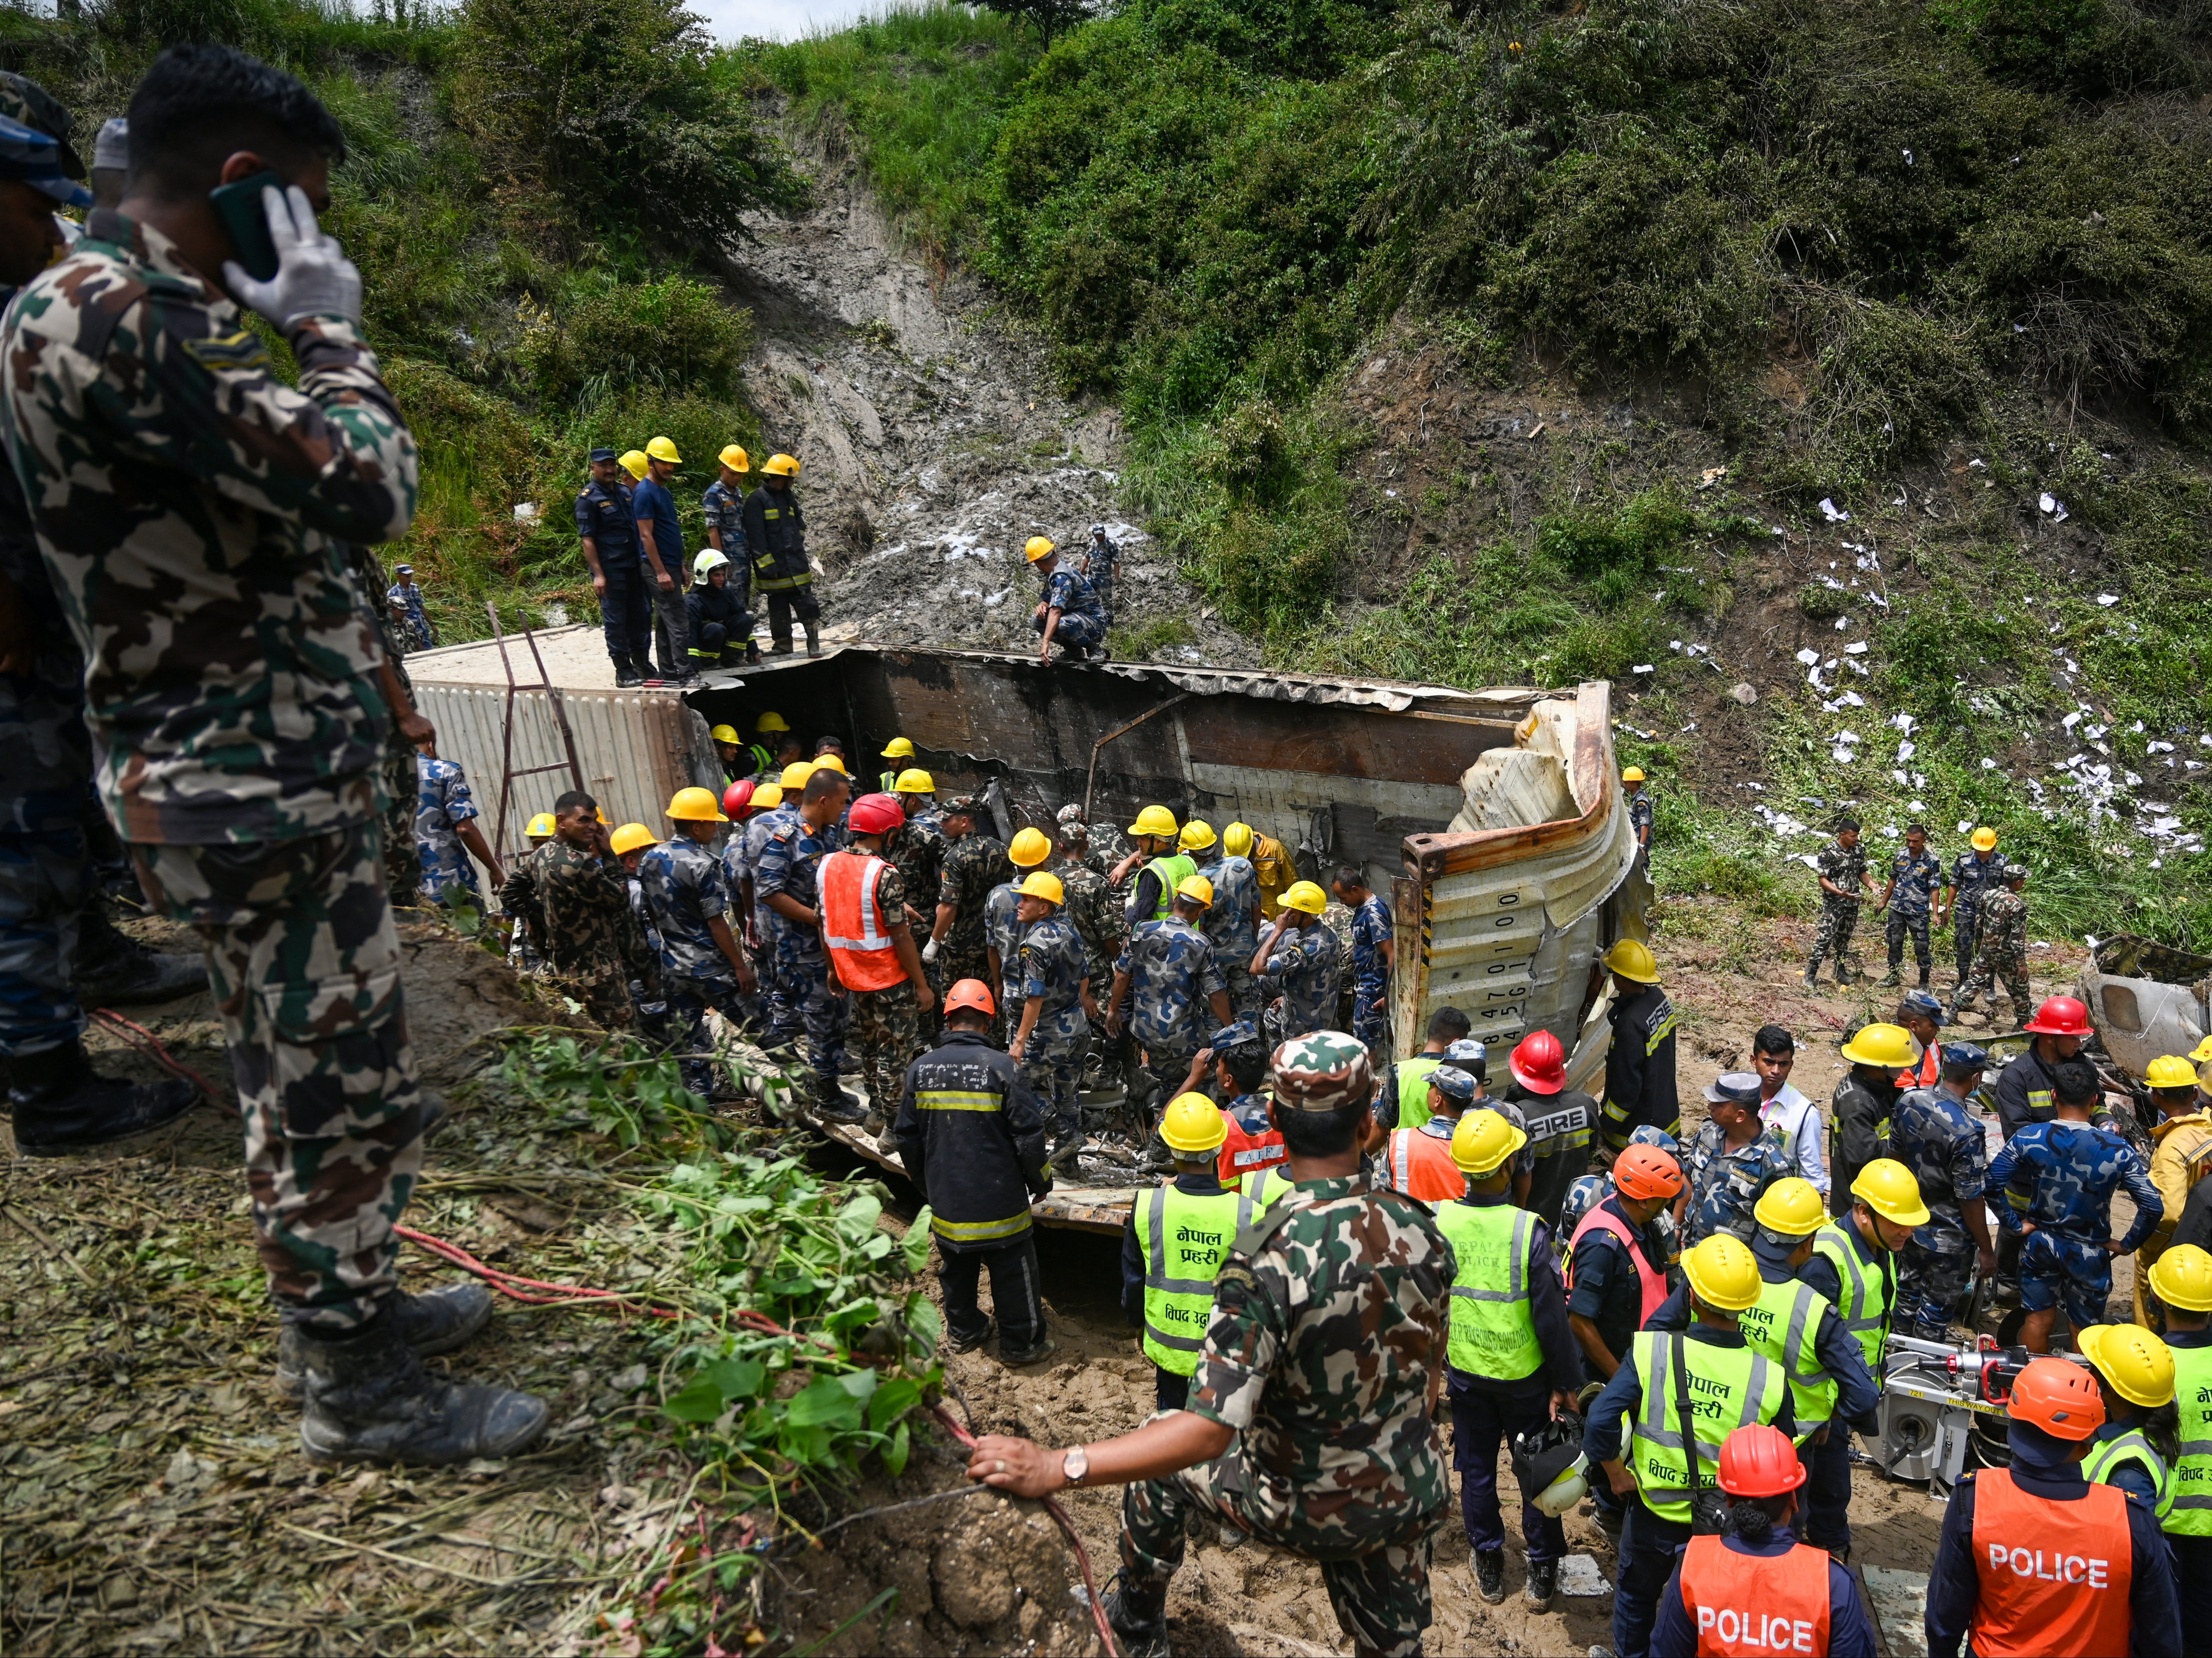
1075 1465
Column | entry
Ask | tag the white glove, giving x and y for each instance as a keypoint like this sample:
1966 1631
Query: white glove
929 950
313 276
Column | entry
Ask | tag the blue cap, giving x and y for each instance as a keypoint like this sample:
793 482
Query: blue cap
1467 1051
603 454
1452 1082
1647 1135
1924 1004
1733 1088
1963 1057
1233 1035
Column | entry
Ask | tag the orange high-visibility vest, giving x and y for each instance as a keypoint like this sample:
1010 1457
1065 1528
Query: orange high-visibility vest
854 925
1749 1605
1650 1281
2054 1575
1246 1153
1421 1167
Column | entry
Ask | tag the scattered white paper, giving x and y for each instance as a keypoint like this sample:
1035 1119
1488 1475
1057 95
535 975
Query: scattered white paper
1857 649
1808 656
1842 623
1643 667
2108 599
1834 513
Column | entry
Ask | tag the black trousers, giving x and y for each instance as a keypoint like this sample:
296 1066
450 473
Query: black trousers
1646 1562
1170 1392
626 611
784 603
2192 1556
720 646
1015 1294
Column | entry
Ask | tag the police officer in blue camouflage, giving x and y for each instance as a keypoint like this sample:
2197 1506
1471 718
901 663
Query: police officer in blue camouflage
1935 1132
1069 614
1004 925
1233 921
1053 1029
406 599
1299 962
813 1002
1374 948
1916 875
688 898
606 530
1975 873
2055 1182
446 832
1732 1160
1167 979
1588 1191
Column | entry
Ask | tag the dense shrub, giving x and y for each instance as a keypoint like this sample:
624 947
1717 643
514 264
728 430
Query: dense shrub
674 334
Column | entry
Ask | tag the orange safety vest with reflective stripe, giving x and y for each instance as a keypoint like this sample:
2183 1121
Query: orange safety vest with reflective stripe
2054 1576
1421 1167
1749 1605
852 922
1653 1284
1926 1071
1244 1152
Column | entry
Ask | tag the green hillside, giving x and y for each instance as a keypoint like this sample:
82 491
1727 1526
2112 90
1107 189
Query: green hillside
1927 264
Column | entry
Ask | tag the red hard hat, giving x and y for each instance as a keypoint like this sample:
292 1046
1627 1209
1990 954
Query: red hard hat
1539 1064
2060 1398
969 994
738 798
2062 1016
1759 1462
875 814
1645 1171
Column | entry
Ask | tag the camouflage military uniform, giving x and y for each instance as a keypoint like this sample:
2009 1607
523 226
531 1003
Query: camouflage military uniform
1049 963
1840 917
1106 846
1172 977
1725 1185
1370 977
1097 918
2062 1175
1972 879
886 1024
973 865
1229 924
1932 1134
1329 1325
1912 891
595 946
194 513
767 925
1002 931
2000 953
812 1001
1305 971
919 851
651 1001
685 889
442 804
403 864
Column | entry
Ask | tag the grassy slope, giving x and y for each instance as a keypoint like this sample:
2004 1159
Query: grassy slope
1842 251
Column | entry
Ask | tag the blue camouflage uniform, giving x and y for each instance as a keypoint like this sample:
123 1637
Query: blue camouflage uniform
1304 971
1588 1191
1082 617
1725 1185
1002 931
1933 1133
652 1004
409 598
767 925
1173 975
1228 923
1912 891
442 804
1974 878
1370 976
685 889
1050 963
809 1002
606 518
2060 1176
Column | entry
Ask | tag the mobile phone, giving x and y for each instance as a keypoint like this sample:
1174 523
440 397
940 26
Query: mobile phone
239 206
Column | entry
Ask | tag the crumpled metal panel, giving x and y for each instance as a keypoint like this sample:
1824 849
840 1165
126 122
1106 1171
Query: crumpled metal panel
1305 688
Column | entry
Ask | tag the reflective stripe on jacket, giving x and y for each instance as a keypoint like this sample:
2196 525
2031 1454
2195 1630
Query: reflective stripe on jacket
853 924
1493 1329
1732 1387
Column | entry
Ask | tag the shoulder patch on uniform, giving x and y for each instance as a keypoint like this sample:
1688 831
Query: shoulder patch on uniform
243 349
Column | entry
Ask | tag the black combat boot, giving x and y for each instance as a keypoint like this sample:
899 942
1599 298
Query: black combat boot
1543 1582
1490 1574
1138 1618
369 1400
813 638
62 1105
431 1324
627 676
114 969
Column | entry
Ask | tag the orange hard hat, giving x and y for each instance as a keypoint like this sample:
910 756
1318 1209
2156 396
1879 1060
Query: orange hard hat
2060 1398
1645 1171
972 993
1539 1064
1759 1462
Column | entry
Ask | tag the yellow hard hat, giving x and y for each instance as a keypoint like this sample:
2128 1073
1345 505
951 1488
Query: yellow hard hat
830 760
1043 883
898 749
1791 1207
1197 888
1632 775
782 466
1031 846
1889 1189
1631 958
767 797
1236 840
633 462
2169 1071
1305 895
726 734
2182 1277
735 458
1483 1139
1037 547
2138 1364
796 774
1984 840
1889 1045
770 721
631 836
1192 1123
1154 820
698 806
1197 835
2202 1052
914 780
1723 1273
663 449
540 826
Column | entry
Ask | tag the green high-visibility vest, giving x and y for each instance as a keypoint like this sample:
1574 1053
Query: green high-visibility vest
1413 1089
1262 1189
1184 1240
1494 1333
1730 1387
1866 1287
2190 1514
888 781
2108 1456
1173 869
1784 1326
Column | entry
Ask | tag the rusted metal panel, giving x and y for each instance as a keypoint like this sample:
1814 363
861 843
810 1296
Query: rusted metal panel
1086 1208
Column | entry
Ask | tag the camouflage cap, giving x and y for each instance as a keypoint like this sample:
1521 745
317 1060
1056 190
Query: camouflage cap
1233 1035
1647 1135
34 142
1467 1052
964 805
1322 1070
1452 1082
1071 813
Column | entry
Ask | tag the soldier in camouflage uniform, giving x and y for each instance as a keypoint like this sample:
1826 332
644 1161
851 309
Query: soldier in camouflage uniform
1168 979
1002 940
1975 873
1053 1030
1309 1424
762 926
2055 1182
1097 918
1233 923
813 1002
194 513
2001 949
1730 1162
918 850
887 1020
973 863
1916 875
702 964
594 944
1842 867
407 730
1102 842
1934 1132
1300 961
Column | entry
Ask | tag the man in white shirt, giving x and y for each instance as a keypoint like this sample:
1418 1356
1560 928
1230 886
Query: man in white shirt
1773 1051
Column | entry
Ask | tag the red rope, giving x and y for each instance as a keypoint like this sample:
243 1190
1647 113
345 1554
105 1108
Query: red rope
146 1042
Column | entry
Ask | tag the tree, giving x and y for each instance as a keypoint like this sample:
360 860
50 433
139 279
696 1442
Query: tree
1050 16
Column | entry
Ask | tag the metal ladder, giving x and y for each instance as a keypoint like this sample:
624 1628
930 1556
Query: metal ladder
508 770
